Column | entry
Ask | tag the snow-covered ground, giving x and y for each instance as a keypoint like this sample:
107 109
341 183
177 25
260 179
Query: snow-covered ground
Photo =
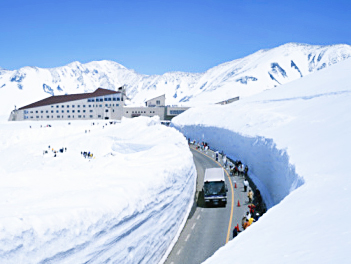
296 140
124 205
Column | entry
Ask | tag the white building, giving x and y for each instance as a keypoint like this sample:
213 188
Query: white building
154 106
101 104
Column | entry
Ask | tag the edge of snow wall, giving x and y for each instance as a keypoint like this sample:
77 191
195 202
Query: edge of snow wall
269 167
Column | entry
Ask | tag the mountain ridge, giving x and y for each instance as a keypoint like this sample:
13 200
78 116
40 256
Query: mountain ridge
262 70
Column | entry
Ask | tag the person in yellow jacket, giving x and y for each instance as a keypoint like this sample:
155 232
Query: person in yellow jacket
246 224
251 220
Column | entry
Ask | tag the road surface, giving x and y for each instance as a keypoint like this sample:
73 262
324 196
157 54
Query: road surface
208 229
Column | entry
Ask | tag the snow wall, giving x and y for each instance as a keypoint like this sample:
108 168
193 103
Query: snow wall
269 167
126 206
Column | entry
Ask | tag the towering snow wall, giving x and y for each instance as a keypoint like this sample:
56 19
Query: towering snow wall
269 166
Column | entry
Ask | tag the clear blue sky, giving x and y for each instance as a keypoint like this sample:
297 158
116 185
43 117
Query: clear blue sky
154 37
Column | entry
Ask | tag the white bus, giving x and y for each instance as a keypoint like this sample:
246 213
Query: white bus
214 189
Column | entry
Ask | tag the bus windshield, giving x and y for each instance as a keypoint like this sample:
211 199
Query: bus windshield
214 188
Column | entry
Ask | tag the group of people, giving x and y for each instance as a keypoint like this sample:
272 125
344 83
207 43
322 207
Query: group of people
256 209
87 154
61 150
238 168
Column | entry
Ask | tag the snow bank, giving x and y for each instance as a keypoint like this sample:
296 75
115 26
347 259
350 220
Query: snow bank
297 135
124 205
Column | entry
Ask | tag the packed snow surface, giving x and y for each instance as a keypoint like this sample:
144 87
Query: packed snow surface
126 204
296 141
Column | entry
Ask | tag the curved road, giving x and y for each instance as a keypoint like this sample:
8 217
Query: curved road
208 229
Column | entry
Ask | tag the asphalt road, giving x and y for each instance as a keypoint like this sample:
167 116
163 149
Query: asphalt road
208 229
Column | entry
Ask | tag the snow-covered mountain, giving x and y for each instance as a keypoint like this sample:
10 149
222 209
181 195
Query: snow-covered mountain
262 70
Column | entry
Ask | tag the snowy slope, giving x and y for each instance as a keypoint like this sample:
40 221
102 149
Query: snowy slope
262 70
126 205
296 141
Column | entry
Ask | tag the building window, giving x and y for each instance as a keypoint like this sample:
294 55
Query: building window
117 98
78 105
106 105
68 116
52 111
83 111
89 105
25 111
31 112
36 111
100 105
63 111
176 112
67 106
72 111
91 111
37 116
78 111
57 111
158 102
31 117
58 116
73 106
67 111
106 110
57 106
47 111
62 106
99 116
83 105
127 112
47 116
79 116
52 106
91 116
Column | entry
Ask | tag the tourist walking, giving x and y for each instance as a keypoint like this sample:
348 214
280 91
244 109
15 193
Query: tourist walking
250 196
246 184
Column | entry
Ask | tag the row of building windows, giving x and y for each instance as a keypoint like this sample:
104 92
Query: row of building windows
57 111
101 99
62 106
58 116
141 112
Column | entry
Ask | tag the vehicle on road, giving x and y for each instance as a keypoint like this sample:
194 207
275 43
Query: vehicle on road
215 189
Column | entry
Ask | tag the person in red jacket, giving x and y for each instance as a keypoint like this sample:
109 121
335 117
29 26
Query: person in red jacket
252 208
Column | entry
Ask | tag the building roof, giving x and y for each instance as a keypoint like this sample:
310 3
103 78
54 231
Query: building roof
70 97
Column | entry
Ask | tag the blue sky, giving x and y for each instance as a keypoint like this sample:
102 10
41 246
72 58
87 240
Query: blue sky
154 37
